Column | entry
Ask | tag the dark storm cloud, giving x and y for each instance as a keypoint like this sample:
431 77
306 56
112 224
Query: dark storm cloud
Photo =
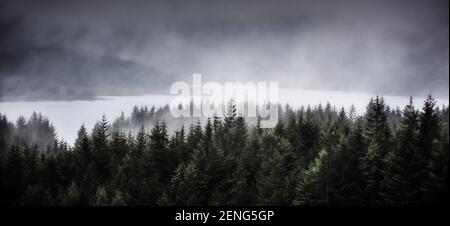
387 47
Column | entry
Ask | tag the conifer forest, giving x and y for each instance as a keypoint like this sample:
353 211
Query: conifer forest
225 111
314 156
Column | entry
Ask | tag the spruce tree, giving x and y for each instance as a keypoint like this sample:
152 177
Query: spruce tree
313 188
434 188
400 182
429 134
309 137
274 181
85 179
159 155
193 139
14 175
245 176
347 178
138 178
377 133
101 156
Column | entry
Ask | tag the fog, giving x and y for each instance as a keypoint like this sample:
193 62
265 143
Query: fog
74 61
68 116
72 50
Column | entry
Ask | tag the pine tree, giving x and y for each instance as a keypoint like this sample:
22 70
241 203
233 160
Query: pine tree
207 139
239 135
189 184
312 188
101 155
179 147
279 129
193 139
138 178
159 143
196 179
119 150
14 175
177 190
6 132
31 164
292 131
274 180
242 191
429 133
330 141
140 145
347 178
309 137
343 122
378 136
400 182
435 185
85 179
244 177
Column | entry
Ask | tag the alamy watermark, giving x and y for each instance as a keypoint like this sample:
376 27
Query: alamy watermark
251 99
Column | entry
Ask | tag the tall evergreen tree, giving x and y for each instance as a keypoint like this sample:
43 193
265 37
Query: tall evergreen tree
313 188
377 133
138 178
400 180
85 180
309 137
348 178
274 180
432 154
159 143
101 156
14 176
435 186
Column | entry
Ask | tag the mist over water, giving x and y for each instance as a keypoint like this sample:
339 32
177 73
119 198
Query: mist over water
68 116
114 53
224 103
121 51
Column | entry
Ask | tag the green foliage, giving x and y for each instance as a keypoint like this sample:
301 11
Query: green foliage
378 136
348 178
317 156
401 163
313 187
274 181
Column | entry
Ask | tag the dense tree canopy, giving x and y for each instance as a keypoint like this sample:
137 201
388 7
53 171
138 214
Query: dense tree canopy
314 156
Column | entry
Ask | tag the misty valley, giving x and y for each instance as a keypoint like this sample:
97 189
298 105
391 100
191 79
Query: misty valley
87 112
225 111
315 155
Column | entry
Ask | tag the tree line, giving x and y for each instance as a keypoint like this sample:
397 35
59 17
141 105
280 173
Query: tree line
314 156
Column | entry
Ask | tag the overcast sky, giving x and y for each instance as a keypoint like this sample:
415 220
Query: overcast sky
382 47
